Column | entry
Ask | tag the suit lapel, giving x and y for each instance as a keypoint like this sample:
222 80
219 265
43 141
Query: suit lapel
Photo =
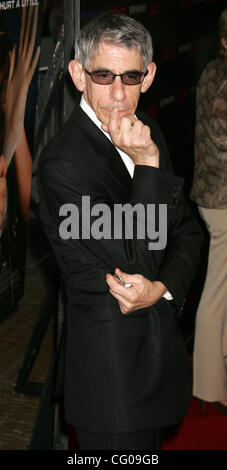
109 157
118 169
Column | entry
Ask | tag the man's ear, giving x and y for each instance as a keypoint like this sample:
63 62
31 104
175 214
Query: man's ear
149 77
77 74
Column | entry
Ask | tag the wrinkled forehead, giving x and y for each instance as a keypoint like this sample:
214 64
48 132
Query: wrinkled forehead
108 52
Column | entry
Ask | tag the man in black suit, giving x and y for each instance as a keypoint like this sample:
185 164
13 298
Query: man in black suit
127 373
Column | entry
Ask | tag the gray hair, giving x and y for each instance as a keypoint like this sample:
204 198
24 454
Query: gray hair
115 28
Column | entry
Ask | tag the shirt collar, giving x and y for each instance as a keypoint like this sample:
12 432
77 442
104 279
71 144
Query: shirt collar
91 114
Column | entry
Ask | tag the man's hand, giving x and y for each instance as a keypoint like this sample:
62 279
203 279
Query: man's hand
22 67
143 293
3 171
133 137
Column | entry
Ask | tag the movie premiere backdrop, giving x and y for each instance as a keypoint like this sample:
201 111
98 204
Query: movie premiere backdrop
20 28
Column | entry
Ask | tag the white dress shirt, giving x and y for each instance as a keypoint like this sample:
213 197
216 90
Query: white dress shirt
130 165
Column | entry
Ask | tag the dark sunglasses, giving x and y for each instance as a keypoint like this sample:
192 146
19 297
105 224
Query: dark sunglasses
105 77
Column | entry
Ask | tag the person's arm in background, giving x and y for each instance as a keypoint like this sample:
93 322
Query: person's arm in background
219 119
23 168
22 68
3 171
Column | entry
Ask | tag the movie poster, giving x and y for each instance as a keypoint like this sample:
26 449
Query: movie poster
19 39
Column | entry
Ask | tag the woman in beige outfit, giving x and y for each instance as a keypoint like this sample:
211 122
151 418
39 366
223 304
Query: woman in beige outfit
210 193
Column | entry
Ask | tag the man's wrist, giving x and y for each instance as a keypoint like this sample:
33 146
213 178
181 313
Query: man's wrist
160 286
148 161
157 291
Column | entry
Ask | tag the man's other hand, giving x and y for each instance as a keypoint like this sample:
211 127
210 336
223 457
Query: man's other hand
133 137
143 293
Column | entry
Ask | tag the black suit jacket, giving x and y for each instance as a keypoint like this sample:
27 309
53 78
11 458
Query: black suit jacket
123 372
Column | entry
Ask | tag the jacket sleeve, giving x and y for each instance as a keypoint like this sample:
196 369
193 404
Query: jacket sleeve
184 236
182 253
60 183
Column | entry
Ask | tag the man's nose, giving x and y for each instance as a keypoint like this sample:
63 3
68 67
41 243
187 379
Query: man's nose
117 89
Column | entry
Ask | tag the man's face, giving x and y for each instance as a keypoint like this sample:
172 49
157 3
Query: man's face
104 98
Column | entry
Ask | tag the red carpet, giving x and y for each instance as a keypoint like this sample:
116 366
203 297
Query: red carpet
199 430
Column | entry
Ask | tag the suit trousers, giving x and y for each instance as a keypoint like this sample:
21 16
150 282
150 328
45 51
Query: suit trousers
210 346
143 440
